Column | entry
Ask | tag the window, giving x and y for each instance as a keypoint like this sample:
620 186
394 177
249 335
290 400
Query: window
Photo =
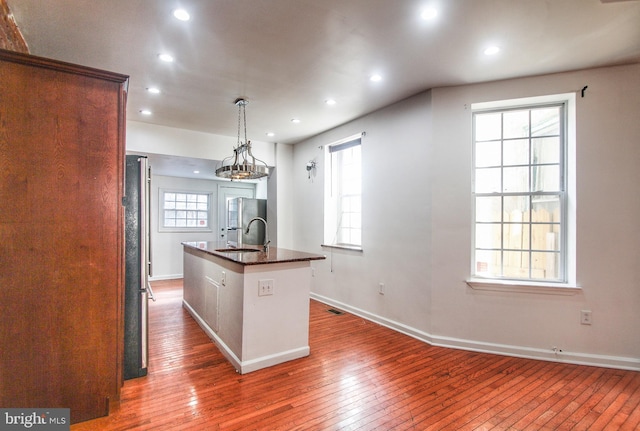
185 210
521 195
343 186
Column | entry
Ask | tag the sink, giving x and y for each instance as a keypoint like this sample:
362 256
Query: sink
237 250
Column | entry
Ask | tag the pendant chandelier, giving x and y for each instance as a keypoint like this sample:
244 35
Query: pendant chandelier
242 165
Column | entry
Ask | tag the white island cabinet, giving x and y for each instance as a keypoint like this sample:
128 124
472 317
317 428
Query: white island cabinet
254 305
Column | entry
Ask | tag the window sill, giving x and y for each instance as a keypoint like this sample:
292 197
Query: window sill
342 247
184 229
523 286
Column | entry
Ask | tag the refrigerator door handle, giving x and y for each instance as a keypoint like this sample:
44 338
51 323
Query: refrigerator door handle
151 295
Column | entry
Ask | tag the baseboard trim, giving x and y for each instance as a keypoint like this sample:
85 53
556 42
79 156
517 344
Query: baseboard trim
244 367
166 277
618 362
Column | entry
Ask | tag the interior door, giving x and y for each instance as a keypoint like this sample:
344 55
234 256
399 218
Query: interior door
224 194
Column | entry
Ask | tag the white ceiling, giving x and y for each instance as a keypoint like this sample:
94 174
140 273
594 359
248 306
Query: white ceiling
288 56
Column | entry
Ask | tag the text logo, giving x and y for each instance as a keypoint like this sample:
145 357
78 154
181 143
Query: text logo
35 419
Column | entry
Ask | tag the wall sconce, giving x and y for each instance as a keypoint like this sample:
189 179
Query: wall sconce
311 165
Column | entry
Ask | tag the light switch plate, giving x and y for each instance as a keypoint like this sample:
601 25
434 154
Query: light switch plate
265 287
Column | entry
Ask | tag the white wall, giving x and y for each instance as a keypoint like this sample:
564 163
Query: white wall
417 225
396 200
155 139
280 194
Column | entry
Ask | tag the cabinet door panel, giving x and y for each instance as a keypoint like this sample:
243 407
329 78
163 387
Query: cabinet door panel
61 235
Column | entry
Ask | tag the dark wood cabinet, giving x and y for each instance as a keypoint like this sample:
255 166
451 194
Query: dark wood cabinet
61 235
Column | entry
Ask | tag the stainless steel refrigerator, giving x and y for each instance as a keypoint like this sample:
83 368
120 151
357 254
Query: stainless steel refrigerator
137 266
239 212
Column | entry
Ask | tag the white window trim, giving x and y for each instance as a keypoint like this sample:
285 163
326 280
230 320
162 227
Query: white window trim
162 228
330 225
570 287
500 285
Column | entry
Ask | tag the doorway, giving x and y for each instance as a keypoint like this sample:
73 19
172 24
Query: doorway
224 194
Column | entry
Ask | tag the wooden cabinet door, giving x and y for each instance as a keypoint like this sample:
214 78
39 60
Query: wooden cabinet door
61 235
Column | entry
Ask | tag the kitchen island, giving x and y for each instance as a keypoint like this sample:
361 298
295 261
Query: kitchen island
253 304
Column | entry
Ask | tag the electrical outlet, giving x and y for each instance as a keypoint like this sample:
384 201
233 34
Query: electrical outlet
223 278
381 288
265 287
585 317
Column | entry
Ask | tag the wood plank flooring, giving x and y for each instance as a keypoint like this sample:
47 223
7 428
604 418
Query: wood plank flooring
360 376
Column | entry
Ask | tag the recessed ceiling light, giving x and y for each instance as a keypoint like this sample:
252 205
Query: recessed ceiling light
270 134
153 90
330 102
295 120
196 172
145 112
167 58
375 78
428 13
181 14
492 50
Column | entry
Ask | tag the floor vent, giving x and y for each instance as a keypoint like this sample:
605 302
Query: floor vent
334 311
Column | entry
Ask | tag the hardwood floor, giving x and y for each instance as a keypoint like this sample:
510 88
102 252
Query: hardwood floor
360 376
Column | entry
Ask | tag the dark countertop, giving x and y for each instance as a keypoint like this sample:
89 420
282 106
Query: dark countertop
274 255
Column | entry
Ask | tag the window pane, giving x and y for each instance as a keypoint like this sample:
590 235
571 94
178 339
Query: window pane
545 237
186 210
356 238
488 209
545 121
355 204
488 126
545 150
546 209
516 152
519 222
516 264
488 263
488 236
516 209
516 180
488 154
516 124
487 180
545 178
356 221
343 190
545 266
516 236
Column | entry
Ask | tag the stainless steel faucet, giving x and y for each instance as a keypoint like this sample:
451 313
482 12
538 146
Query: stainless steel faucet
265 246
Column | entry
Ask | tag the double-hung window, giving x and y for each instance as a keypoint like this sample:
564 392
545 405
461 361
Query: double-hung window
520 193
185 210
343 194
